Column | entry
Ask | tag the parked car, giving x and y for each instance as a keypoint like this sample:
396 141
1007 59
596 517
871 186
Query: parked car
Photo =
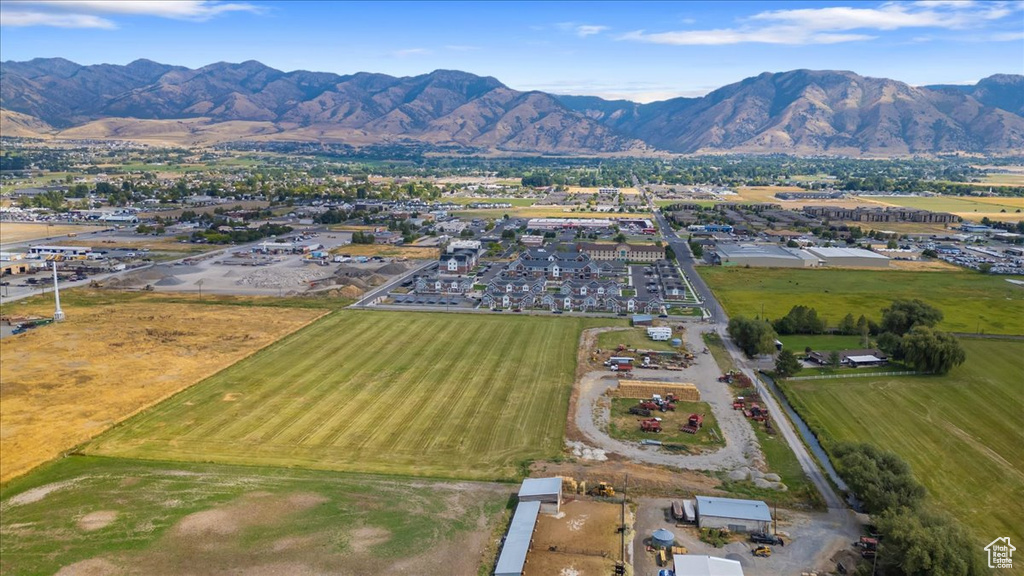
766 538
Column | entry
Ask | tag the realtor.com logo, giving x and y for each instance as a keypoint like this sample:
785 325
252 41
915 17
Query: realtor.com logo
1000 553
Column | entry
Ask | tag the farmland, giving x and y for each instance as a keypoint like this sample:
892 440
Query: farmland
959 432
65 383
996 208
104 516
970 301
471 396
11 232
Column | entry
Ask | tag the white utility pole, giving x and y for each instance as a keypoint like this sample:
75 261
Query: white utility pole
58 314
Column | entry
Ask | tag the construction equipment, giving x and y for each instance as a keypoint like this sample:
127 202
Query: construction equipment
763 552
662 557
602 489
667 407
693 424
640 411
739 403
650 425
649 405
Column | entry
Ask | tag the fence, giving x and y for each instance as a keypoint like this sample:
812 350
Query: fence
831 376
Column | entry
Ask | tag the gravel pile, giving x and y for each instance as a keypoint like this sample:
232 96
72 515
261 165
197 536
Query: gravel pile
280 277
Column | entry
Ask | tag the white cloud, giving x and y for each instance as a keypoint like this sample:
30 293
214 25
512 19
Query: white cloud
17 19
90 13
407 52
1007 36
835 24
582 30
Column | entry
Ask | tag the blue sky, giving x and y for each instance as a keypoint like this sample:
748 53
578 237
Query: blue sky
639 51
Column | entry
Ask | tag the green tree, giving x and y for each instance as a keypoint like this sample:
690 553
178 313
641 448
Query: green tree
902 315
929 350
919 542
847 325
786 364
620 237
800 320
834 360
753 336
881 480
697 249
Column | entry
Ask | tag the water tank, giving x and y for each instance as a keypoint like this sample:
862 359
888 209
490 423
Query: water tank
662 538
677 342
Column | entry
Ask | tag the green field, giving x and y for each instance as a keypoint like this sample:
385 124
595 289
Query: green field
961 432
955 204
443 395
822 342
107 516
515 202
970 301
625 426
634 338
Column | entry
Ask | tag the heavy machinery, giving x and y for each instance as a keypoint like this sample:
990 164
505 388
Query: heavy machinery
650 425
602 489
649 405
640 411
763 552
739 403
693 424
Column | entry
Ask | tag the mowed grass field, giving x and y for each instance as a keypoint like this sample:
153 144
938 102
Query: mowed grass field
86 515
444 395
63 384
972 208
960 432
969 300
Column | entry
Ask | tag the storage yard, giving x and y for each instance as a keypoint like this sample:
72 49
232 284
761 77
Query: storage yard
959 432
115 516
467 396
65 383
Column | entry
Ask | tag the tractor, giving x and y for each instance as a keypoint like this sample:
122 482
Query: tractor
650 425
693 424
602 489
640 411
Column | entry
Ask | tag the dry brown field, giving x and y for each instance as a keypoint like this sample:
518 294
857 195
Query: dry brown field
583 542
11 232
65 383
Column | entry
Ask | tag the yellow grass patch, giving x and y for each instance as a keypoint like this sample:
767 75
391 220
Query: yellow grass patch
11 232
387 250
159 243
931 265
65 383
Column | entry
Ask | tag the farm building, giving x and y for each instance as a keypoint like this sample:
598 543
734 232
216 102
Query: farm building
659 333
850 257
697 565
736 514
547 491
762 255
852 358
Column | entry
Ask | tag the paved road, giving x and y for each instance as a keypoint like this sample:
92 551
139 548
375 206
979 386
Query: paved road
720 320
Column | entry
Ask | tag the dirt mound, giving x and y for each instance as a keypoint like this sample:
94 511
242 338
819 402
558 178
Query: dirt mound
96 520
169 281
376 280
351 292
392 269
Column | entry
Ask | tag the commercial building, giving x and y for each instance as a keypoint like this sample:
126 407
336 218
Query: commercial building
762 255
850 257
623 252
65 251
564 223
735 514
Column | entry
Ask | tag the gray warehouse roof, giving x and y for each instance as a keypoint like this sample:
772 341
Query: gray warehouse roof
517 541
695 565
844 253
733 508
540 487
731 251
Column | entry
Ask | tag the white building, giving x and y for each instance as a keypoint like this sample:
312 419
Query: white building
659 333
696 565
853 257
736 514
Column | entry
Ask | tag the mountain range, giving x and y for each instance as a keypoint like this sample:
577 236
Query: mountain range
799 112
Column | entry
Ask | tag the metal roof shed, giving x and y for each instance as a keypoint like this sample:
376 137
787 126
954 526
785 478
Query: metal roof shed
735 514
696 565
545 490
517 542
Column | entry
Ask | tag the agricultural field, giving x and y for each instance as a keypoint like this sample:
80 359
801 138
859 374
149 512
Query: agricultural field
65 383
632 338
970 301
12 232
960 432
1005 179
973 208
626 426
427 394
84 515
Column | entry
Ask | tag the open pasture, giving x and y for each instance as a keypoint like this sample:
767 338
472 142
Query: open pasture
102 516
13 232
970 301
972 208
445 395
960 432
65 383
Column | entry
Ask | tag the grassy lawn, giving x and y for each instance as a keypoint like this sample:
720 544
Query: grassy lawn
445 395
961 432
684 311
955 204
108 515
798 342
625 426
970 301
632 338
515 202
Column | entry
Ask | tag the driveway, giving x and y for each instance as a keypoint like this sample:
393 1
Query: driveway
741 448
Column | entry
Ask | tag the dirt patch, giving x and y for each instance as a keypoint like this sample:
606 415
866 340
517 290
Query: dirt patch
253 509
644 479
97 520
362 539
37 494
90 567
231 396
583 540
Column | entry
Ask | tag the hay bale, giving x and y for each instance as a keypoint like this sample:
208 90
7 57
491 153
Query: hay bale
648 388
